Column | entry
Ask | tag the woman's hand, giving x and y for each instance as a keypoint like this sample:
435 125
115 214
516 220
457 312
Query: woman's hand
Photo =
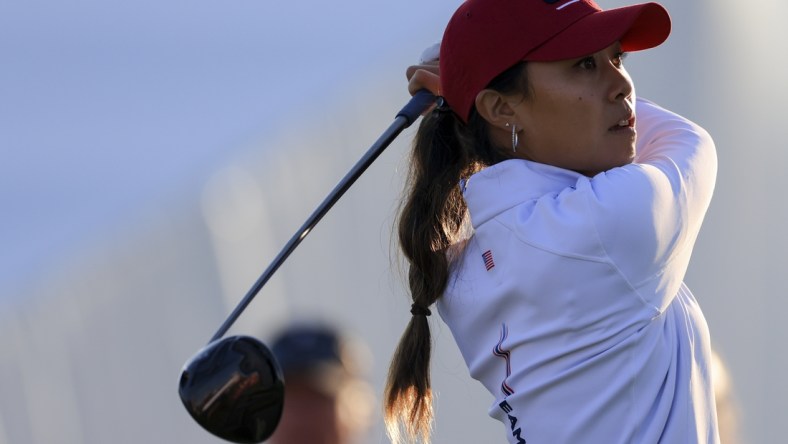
424 76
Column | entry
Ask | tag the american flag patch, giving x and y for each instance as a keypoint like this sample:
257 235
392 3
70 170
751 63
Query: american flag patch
488 260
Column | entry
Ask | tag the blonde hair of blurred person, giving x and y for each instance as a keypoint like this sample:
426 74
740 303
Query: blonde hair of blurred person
727 406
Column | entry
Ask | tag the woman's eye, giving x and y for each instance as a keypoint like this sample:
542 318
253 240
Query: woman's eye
587 63
618 60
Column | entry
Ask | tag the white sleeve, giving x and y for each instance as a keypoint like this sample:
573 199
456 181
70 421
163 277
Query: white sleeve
648 214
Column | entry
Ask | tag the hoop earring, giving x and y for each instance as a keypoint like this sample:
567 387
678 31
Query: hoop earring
515 138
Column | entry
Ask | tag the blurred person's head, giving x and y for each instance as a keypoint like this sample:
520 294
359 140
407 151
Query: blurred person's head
327 400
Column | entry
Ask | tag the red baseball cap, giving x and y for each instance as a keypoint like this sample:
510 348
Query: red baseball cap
486 37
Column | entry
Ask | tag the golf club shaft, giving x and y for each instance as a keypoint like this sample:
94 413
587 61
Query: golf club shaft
409 113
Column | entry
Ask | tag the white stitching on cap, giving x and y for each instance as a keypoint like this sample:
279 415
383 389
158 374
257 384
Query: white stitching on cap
565 5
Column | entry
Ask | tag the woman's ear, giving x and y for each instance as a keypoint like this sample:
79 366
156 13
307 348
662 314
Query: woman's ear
494 107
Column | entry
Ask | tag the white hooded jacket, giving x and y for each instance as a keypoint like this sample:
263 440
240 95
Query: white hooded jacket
568 301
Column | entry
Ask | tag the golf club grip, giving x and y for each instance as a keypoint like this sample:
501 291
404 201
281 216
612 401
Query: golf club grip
417 105
406 116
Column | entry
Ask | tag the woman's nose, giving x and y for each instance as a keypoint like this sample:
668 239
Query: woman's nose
621 84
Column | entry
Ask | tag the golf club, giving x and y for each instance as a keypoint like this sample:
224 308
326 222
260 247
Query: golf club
233 387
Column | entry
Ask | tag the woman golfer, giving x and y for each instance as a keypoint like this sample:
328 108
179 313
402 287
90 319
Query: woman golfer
550 216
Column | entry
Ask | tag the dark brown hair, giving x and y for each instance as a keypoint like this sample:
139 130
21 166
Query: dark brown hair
445 151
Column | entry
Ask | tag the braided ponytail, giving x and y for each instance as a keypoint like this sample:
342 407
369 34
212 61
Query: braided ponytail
432 214
433 217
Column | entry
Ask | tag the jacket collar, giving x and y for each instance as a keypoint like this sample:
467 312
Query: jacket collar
504 185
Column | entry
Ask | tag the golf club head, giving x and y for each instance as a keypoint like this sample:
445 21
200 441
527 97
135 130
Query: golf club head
234 388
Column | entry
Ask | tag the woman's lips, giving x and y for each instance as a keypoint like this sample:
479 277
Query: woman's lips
623 124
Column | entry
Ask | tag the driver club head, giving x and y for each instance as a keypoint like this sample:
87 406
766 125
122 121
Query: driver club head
234 388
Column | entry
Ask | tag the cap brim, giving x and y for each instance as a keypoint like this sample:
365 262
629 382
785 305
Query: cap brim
637 27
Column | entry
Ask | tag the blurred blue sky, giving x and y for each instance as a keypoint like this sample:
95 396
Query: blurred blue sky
107 106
